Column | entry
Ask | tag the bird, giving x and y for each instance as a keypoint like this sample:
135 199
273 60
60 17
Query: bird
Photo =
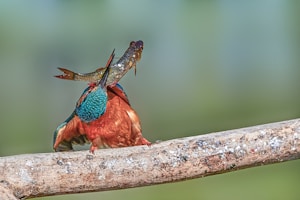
102 117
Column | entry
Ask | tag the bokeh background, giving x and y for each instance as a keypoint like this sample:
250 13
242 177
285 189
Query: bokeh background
207 66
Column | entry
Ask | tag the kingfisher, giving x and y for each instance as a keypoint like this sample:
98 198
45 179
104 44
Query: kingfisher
102 117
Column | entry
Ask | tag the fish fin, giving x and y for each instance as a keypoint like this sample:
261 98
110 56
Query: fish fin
68 74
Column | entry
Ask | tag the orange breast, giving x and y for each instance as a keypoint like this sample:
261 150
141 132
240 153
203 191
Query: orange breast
119 126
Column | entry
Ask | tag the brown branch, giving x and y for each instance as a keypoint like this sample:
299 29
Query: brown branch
47 174
6 193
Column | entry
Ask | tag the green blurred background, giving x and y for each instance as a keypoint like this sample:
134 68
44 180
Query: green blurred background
207 66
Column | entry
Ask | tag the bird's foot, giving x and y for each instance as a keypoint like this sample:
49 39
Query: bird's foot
93 148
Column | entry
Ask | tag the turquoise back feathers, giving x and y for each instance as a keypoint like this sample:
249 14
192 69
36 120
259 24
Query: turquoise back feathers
92 104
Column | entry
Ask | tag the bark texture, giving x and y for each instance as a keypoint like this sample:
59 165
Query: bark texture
33 175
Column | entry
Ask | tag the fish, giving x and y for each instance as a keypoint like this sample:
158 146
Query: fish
129 60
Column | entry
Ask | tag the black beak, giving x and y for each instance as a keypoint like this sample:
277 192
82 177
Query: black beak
103 80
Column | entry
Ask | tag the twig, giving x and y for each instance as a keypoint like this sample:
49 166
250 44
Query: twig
47 174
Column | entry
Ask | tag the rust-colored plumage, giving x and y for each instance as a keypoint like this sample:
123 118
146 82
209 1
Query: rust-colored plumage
119 126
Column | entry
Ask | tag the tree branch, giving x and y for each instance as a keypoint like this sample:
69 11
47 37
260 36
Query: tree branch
47 174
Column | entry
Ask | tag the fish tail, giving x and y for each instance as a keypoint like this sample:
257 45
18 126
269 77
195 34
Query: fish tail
68 74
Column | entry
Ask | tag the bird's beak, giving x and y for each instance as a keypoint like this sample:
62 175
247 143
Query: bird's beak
103 80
